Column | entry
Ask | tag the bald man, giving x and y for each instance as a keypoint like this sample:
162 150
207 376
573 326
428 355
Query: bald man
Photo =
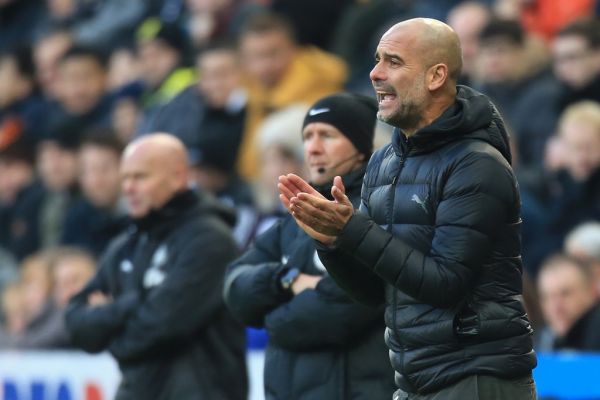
437 233
155 303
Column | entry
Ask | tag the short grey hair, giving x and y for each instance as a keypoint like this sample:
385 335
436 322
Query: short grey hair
585 237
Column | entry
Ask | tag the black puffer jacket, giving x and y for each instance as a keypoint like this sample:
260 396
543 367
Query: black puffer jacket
440 229
322 345
167 326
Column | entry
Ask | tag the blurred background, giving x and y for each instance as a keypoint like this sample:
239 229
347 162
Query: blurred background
232 79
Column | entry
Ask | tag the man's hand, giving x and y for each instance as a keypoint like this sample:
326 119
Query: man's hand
97 298
320 218
305 281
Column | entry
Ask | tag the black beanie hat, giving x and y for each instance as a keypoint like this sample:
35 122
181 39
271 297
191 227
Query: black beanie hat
354 115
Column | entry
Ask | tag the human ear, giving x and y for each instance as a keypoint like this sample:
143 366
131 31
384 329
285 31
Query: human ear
437 76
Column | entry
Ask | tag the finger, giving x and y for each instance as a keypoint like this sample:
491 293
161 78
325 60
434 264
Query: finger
340 197
318 202
339 183
303 185
289 185
313 214
285 201
285 191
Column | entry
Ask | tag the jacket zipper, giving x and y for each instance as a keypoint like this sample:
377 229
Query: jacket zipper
390 230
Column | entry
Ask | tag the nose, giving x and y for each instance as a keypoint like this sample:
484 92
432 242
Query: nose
377 73
126 186
313 145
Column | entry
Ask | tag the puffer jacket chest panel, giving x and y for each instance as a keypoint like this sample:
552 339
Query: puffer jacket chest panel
412 205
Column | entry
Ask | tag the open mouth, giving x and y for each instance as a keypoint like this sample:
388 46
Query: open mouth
383 97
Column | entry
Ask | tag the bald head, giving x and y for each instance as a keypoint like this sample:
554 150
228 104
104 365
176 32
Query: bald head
433 41
154 168
164 148
418 62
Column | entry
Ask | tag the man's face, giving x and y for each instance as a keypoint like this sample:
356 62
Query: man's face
564 296
219 76
266 56
399 80
14 176
146 184
99 175
157 60
499 60
83 84
575 64
57 166
9 81
468 23
70 276
582 148
46 55
327 152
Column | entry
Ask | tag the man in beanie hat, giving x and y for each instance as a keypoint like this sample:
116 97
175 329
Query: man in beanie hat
322 345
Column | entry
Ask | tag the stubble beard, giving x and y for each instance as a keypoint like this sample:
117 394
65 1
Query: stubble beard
406 117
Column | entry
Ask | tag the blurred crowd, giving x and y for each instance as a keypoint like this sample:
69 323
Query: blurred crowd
232 79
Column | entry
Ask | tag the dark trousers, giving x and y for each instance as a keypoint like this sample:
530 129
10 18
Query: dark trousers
480 387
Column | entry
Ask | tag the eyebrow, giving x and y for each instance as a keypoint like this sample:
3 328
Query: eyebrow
388 56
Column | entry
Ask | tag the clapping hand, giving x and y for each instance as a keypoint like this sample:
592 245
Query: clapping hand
320 218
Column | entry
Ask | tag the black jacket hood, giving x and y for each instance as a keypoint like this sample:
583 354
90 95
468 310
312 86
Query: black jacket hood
472 115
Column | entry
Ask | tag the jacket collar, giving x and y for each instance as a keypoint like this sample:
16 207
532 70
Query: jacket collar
352 182
179 204
472 116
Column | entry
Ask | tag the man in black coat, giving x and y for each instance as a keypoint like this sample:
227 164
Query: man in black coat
437 236
321 345
155 302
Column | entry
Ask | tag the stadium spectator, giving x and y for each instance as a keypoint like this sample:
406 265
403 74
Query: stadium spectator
314 328
13 311
17 181
437 236
570 194
123 68
161 50
83 103
47 53
38 218
98 216
280 73
281 153
156 301
208 21
570 303
215 107
521 86
72 268
468 18
126 114
44 321
576 60
583 242
21 106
